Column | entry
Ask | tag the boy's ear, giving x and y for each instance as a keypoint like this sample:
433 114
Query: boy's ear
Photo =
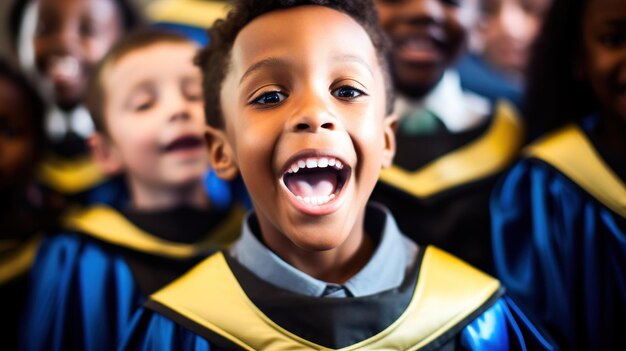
104 154
390 125
221 154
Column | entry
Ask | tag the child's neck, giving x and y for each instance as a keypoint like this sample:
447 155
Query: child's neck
149 198
337 265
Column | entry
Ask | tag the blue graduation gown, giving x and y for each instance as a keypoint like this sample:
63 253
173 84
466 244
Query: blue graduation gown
192 317
88 282
559 221
502 327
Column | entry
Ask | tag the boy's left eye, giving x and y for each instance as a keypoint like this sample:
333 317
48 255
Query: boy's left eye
270 98
347 92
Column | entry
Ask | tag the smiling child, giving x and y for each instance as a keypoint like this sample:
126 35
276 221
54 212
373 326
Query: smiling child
88 280
559 215
301 109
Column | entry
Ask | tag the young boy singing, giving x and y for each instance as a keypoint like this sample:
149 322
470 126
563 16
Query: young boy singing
298 103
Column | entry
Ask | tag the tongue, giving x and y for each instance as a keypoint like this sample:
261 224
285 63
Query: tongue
312 184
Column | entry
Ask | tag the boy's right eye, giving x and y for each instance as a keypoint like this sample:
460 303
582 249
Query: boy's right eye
269 98
142 104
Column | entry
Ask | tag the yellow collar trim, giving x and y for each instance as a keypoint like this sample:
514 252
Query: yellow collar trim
570 151
190 12
16 258
108 225
70 176
479 159
210 296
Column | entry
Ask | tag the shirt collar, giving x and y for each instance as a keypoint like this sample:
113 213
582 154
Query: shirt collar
385 270
458 110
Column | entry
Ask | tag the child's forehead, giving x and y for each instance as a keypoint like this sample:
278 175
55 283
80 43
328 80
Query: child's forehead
282 32
149 63
154 57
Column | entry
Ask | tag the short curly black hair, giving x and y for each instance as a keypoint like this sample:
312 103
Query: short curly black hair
214 59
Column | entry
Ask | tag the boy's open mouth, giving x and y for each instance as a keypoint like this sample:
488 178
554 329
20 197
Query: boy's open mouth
184 143
316 180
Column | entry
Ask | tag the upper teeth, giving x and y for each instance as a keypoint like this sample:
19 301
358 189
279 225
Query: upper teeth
315 162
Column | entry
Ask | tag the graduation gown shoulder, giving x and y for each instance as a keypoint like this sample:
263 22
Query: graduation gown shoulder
193 314
560 242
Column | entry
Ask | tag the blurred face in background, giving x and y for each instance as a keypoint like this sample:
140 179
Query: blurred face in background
71 36
427 37
507 32
604 55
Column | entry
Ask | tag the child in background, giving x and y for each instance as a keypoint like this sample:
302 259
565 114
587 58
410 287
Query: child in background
304 115
58 43
508 30
146 101
496 65
21 217
559 217
452 144
192 18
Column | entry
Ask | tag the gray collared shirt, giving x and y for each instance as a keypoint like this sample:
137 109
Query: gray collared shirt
392 258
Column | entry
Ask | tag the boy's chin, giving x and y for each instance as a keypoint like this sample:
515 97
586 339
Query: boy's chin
418 82
318 241
186 181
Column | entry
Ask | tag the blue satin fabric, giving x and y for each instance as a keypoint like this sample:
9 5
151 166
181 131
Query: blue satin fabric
502 327
81 298
562 256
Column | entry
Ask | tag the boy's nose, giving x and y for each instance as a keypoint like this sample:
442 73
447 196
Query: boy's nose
180 115
312 119
65 40
313 124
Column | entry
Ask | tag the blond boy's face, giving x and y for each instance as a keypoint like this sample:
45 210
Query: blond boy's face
154 115
304 109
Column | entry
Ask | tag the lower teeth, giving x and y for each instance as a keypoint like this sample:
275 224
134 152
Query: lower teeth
316 200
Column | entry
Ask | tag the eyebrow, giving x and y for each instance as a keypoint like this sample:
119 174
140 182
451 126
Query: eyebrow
353 58
270 62
274 62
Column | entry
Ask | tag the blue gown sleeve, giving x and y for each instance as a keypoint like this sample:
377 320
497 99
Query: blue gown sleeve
152 331
503 327
560 254
80 298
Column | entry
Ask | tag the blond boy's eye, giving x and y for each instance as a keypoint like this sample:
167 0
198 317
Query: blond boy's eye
142 103
144 106
192 89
